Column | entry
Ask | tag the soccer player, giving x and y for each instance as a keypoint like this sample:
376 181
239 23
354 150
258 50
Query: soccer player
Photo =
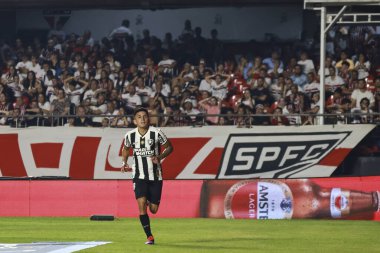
146 142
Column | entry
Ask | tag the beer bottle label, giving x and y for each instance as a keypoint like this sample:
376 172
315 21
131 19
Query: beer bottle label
339 202
264 199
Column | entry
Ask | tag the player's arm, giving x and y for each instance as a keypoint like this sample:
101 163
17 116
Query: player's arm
125 155
168 149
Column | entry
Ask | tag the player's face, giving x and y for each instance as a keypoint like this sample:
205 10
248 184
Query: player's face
141 120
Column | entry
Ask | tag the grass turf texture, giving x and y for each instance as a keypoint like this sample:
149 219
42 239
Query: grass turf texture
200 235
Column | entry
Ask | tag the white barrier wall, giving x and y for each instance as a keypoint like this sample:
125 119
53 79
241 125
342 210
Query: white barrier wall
199 153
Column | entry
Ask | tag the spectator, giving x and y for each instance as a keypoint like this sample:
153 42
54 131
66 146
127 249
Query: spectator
261 94
5 108
314 109
342 111
34 65
160 88
215 48
345 72
242 117
167 65
93 92
155 108
333 81
205 84
270 61
111 110
260 117
44 109
22 66
88 39
120 120
298 77
247 100
312 85
131 99
16 87
360 93
218 85
343 58
99 109
290 113
278 119
211 105
121 32
81 119
363 114
306 63
328 64
74 90
16 119
191 116
143 91
60 107
362 65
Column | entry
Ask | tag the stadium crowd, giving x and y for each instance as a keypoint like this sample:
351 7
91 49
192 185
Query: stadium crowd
70 79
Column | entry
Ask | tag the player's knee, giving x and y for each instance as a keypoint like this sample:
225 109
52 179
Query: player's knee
153 209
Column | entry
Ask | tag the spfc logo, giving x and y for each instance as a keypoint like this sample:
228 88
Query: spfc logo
275 155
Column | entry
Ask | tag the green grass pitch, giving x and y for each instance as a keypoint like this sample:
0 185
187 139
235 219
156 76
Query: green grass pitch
200 235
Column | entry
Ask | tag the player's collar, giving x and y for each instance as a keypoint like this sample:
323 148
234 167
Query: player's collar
142 135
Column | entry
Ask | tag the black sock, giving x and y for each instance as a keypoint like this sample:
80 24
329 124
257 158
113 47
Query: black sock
145 223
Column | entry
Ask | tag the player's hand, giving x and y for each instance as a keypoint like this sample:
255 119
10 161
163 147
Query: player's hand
126 168
155 160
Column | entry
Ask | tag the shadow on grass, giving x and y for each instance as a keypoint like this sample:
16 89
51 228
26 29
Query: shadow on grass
240 244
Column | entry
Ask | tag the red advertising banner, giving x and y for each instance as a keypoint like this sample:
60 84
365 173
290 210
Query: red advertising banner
209 152
325 198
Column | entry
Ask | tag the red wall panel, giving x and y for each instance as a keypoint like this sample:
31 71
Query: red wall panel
181 198
14 198
88 197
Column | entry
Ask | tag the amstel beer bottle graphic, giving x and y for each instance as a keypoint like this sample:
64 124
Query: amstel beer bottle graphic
276 199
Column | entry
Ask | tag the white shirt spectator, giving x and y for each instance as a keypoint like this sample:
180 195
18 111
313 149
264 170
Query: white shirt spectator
46 106
132 100
40 74
333 83
102 108
307 65
36 68
145 93
363 73
120 31
17 89
310 88
165 91
90 94
276 91
74 95
21 65
358 95
219 90
204 85
167 62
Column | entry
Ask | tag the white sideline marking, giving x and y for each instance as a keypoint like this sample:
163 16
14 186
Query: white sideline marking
48 247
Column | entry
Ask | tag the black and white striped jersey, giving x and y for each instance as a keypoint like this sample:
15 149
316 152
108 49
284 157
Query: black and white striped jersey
144 147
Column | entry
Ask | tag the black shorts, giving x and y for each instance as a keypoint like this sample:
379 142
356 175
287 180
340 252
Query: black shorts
150 189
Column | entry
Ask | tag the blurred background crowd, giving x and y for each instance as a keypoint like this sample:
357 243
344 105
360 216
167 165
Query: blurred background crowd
194 79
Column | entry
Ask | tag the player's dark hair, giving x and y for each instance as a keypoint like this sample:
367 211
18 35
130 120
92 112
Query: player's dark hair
140 109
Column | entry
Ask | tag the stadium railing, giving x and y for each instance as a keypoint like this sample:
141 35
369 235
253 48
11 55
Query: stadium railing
199 120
